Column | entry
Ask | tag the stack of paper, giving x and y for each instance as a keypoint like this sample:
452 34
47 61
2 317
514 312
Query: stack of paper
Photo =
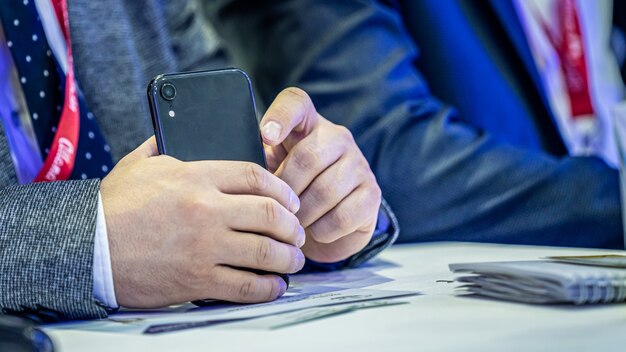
544 281
310 297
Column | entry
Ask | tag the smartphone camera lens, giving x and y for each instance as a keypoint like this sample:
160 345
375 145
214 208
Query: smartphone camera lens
168 91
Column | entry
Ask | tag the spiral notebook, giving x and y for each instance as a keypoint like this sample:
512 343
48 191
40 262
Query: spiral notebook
549 281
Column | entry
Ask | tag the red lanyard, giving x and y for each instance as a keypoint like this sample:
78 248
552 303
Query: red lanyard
60 160
571 51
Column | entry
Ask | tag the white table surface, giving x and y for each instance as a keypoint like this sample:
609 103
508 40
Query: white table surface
438 320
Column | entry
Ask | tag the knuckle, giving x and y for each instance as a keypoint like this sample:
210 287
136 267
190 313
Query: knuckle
344 134
375 193
181 174
264 253
271 211
194 201
196 274
246 289
379 195
322 190
183 171
283 112
363 164
194 205
256 177
299 95
319 236
341 218
307 158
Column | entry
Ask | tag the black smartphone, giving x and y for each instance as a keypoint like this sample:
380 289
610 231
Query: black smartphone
207 115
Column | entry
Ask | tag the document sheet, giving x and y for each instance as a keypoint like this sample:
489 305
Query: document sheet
313 295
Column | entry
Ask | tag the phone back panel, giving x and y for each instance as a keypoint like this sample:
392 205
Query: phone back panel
214 117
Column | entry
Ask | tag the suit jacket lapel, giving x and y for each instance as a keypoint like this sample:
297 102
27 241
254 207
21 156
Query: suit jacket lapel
509 19
7 169
119 46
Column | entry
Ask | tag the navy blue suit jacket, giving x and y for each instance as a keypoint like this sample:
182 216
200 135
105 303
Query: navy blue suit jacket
473 154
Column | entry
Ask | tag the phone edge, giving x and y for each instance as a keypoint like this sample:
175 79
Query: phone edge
156 122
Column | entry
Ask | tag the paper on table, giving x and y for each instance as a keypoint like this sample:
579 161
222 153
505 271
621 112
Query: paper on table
285 320
612 260
288 304
274 321
307 291
544 282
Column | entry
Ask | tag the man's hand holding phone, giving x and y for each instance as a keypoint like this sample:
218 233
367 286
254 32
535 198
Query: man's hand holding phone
322 163
178 230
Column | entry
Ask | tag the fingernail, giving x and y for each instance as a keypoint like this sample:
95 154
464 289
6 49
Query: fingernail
271 131
294 203
301 236
299 261
283 288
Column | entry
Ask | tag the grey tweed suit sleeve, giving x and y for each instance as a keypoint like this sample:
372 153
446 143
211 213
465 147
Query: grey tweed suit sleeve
46 246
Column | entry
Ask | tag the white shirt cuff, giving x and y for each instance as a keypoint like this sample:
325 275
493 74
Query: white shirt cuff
103 289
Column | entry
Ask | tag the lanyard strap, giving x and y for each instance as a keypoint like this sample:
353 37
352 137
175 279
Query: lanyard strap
60 161
571 51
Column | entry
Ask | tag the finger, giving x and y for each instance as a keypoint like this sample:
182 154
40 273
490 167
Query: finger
339 250
252 251
274 156
356 212
291 111
236 177
311 156
330 188
146 150
265 216
240 286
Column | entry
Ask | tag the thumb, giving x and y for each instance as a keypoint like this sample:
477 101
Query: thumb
292 114
146 150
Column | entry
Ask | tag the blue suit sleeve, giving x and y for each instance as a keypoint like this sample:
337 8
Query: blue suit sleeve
444 178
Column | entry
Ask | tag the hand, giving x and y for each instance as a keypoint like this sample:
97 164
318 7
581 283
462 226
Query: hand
179 231
338 192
